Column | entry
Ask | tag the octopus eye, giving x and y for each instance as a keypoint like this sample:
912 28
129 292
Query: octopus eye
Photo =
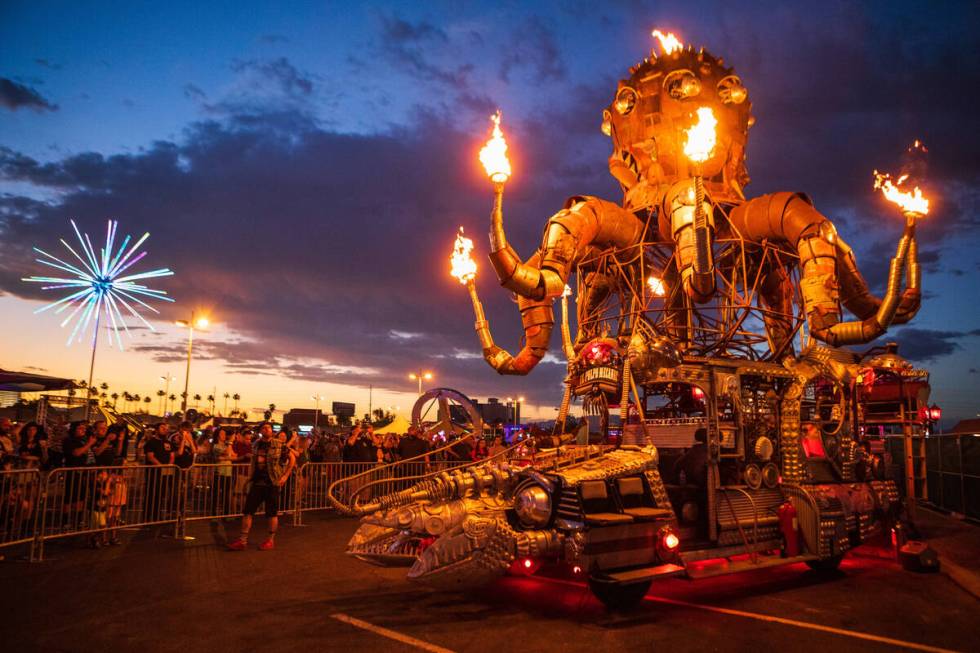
606 123
731 90
625 100
682 84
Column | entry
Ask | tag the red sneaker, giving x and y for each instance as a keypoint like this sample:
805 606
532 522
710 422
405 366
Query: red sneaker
237 545
268 545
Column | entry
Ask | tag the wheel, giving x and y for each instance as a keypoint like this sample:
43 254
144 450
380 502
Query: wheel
619 596
827 564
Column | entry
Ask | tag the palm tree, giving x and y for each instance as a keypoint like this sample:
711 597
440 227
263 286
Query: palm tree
103 397
197 400
115 399
211 401
172 398
269 413
225 411
161 394
103 386
127 397
236 397
146 400
137 399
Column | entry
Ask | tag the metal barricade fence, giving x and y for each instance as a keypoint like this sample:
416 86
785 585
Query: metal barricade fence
90 500
953 473
20 502
215 490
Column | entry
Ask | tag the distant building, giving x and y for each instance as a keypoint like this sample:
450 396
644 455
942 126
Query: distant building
494 412
304 419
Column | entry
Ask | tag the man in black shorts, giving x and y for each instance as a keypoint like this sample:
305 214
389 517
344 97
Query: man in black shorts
272 462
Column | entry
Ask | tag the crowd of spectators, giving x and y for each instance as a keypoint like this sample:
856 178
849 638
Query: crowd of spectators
97 499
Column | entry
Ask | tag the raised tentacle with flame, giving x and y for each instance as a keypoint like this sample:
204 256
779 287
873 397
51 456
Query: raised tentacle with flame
536 315
829 274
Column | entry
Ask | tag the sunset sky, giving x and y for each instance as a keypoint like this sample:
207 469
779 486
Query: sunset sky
303 168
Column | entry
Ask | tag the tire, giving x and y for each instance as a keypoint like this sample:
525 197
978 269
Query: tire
619 596
826 564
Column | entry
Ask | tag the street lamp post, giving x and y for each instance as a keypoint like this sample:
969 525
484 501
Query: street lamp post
517 403
198 323
316 416
418 376
166 393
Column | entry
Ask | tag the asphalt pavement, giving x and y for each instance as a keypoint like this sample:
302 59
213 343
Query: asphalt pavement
157 594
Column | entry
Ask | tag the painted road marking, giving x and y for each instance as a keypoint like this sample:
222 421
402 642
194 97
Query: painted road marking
392 634
780 620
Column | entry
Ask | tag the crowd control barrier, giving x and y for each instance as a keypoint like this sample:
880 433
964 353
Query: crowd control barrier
20 496
953 473
97 502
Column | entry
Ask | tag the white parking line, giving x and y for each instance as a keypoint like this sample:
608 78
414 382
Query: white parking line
802 624
390 634
779 620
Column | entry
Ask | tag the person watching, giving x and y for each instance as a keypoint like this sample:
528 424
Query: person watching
184 447
33 450
108 443
412 445
272 463
158 452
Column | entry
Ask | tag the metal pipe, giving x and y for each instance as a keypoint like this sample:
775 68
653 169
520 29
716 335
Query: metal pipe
857 332
538 322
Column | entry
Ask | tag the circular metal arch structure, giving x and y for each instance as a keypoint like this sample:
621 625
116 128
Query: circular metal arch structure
442 399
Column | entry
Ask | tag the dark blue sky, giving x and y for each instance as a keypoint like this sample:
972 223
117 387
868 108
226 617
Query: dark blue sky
303 166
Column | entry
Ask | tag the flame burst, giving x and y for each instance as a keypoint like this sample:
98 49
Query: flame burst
657 288
493 156
462 265
668 42
910 202
701 137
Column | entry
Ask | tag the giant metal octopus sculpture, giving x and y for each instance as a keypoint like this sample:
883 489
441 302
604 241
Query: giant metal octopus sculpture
648 121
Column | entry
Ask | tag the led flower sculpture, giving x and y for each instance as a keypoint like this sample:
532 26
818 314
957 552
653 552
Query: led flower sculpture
97 285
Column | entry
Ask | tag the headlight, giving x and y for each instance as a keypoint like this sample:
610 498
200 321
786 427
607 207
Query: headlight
533 506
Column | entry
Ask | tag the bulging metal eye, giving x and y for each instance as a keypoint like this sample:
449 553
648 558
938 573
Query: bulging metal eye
731 90
625 100
682 84
606 123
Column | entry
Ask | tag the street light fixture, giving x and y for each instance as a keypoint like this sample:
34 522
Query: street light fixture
166 393
191 324
418 376
316 415
516 404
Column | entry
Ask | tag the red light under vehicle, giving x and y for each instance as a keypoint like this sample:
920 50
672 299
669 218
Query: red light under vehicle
671 541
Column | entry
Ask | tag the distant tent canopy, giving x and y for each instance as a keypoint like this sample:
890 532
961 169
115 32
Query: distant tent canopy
25 382
399 425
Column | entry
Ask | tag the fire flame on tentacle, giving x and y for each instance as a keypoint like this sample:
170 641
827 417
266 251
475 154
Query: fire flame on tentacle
536 316
493 155
462 265
911 202
691 222
668 42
